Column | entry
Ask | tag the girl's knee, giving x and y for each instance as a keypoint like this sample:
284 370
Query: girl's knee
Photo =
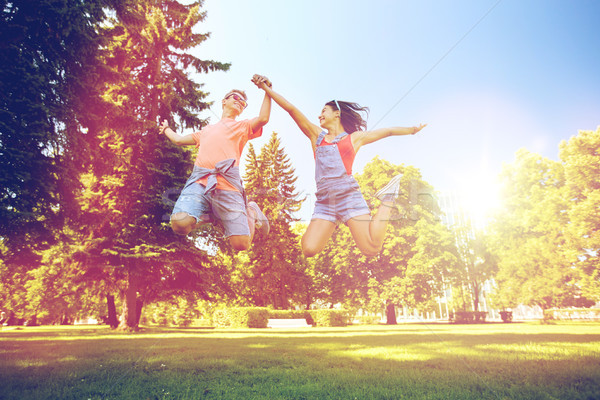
370 250
308 252
310 249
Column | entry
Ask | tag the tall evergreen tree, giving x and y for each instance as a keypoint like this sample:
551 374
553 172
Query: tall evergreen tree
126 197
273 273
49 54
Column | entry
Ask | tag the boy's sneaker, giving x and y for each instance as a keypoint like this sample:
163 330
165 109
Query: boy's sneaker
391 191
261 221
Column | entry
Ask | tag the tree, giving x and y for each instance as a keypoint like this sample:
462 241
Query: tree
528 235
476 264
50 54
416 251
134 169
272 272
581 161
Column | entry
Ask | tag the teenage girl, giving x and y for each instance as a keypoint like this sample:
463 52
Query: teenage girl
340 134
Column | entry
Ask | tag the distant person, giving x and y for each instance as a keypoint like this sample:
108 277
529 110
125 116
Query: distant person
335 142
214 190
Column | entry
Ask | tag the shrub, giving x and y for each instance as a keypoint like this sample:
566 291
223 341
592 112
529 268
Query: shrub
329 317
572 314
506 316
176 312
241 317
369 319
467 317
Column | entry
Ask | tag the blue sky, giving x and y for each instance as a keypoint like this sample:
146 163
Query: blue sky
488 77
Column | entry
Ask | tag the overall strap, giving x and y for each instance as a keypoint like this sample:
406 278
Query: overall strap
339 137
320 138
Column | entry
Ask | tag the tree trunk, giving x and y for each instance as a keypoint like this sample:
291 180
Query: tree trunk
32 321
390 314
475 287
139 305
129 321
112 320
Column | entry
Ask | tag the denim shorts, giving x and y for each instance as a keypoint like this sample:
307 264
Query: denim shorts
337 205
224 206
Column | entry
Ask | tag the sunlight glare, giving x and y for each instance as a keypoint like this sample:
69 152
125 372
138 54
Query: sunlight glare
479 194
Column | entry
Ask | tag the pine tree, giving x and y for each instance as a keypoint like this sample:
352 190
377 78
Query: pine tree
128 194
49 56
48 49
274 274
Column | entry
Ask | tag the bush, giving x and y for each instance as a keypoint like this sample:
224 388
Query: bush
329 317
241 317
581 314
369 319
506 316
467 317
176 312
258 317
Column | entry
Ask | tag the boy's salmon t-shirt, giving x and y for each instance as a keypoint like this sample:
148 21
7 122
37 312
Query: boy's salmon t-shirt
222 141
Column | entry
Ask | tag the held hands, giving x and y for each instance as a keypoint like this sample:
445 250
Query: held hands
261 81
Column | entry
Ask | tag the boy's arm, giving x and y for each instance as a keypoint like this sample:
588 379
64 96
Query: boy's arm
361 138
179 140
263 115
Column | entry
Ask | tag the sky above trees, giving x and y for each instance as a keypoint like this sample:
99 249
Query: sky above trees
487 77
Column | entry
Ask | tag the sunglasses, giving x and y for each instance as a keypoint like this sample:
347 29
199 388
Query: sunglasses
239 98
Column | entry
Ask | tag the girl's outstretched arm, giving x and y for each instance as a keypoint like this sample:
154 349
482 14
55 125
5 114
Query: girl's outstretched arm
308 128
361 138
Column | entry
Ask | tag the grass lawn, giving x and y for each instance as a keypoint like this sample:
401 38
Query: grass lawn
413 361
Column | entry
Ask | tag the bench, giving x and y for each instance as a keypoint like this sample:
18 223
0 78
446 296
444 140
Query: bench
288 323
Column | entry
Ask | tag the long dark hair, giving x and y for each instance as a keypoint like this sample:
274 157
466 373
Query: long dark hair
350 116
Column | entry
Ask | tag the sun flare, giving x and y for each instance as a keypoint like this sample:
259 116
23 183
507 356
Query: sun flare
473 198
479 196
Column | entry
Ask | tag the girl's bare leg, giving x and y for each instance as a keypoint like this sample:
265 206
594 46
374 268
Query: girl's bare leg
316 236
369 233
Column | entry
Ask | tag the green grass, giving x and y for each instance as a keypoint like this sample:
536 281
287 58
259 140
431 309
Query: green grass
415 361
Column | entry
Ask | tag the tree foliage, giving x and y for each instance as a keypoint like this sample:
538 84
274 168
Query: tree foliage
50 53
416 252
134 167
100 73
581 159
272 272
529 235
476 264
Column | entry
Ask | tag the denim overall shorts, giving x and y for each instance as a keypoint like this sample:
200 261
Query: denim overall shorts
338 194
